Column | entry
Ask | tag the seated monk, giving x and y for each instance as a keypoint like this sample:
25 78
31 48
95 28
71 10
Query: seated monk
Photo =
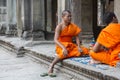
65 48
107 47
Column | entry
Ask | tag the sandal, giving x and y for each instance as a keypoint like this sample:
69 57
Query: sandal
44 74
52 75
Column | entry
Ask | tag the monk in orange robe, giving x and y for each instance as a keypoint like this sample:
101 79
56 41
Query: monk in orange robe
107 47
64 33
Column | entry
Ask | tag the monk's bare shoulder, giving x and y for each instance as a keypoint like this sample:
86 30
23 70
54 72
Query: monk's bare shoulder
58 27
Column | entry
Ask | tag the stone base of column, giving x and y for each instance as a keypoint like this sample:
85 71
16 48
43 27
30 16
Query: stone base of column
38 35
26 35
12 30
49 35
2 29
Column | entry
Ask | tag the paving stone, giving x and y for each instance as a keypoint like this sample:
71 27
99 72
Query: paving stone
13 68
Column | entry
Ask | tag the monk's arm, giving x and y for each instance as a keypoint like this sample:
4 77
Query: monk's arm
78 43
56 37
97 47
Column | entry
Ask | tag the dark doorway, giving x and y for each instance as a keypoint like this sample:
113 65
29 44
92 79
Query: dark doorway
54 14
50 19
99 8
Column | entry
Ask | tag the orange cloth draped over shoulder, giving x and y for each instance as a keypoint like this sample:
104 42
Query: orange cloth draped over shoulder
110 38
66 39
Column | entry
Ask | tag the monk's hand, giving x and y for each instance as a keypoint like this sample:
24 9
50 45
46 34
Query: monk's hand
65 52
80 50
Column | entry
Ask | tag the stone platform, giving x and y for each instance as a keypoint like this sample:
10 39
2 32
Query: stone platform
44 51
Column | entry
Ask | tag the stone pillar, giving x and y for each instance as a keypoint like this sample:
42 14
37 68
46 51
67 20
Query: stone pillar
26 19
61 7
49 15
76 12
19 18
68 4
86 15
38 16
11 17
82 16
117 8
27 15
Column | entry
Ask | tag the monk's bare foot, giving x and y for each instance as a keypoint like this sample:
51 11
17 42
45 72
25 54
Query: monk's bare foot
92 61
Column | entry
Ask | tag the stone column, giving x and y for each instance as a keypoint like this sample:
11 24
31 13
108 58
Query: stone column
61 7
117 8
38 16
19 18
68 4
49 15
26 19
82 15
86 15
11 17
76 12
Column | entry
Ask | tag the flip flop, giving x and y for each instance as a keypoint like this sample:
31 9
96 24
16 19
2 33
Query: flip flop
52 75
44 74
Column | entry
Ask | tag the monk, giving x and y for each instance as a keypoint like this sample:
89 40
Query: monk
65 48
107 47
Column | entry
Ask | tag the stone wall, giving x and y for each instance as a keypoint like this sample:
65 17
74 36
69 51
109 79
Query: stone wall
117 8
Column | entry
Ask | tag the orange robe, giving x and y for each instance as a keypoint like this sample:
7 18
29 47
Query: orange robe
66 39
110 38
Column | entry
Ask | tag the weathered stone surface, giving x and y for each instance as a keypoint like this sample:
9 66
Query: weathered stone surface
19 17
2 29
12 30
11 18
86 16
24 68
27 35
117 8
20 51
27 17
38 15
38 35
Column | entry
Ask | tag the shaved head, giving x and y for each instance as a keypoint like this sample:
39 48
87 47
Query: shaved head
65 12
108 17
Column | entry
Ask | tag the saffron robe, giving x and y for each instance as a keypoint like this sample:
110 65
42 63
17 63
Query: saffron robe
110 38
66 39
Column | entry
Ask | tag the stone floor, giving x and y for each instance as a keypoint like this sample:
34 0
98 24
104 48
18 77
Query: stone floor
12 68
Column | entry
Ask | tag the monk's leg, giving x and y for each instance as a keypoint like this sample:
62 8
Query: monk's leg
100 57
56 60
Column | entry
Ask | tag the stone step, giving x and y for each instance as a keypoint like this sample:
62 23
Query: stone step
69 66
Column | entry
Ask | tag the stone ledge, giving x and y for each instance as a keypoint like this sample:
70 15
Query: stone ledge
82 70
